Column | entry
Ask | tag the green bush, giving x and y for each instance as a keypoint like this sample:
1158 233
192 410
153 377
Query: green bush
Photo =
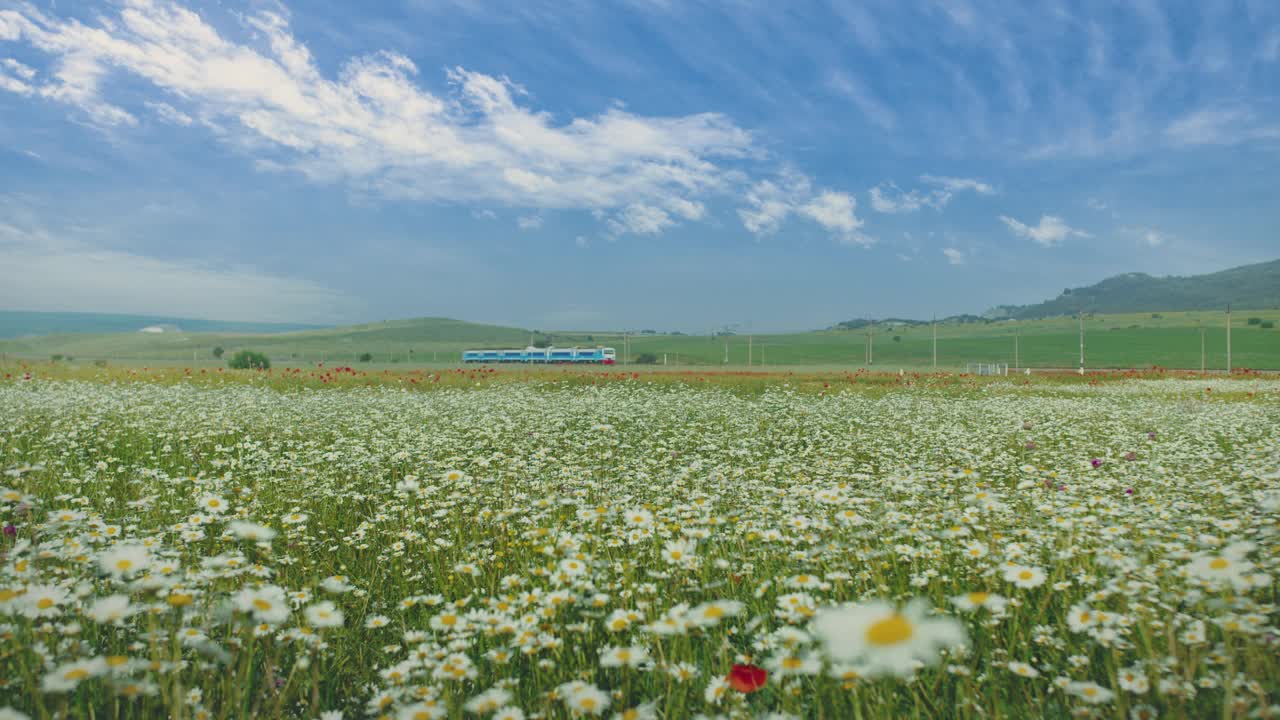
217 352
646 359
1267 325
55 358
248 359
1254 321
366 357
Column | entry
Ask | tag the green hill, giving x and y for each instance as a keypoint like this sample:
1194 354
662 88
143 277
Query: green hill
1249 287
23 323
1137 340
391 341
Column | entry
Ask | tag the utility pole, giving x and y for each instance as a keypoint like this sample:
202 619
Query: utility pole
1082 342
726 352
1228 339
935 341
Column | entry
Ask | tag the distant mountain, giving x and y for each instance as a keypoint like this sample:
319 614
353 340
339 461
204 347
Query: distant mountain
22 323
1249 287
860 323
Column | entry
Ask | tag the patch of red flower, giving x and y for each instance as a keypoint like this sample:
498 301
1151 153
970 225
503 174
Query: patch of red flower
747 678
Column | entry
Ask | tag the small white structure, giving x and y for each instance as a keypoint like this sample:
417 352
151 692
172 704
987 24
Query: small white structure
153 329
987 368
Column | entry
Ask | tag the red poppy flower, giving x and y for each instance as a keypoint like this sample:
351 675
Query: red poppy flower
747 678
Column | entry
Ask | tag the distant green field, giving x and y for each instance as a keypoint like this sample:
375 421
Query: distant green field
1111 341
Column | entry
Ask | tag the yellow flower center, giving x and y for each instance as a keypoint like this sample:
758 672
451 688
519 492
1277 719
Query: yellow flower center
588 703
1026 575
117 660
45 603
261 604
1219 564
76 674
890 631
978 598
714 612
124 564
792 663
182 599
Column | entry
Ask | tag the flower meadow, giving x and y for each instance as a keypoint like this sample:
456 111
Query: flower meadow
640 550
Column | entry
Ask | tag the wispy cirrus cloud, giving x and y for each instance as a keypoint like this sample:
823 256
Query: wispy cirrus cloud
1220 126
1050 231
957 184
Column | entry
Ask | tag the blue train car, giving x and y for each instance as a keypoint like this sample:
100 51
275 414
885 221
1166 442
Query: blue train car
601 355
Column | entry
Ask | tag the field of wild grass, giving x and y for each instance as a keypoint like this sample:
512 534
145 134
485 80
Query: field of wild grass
632 547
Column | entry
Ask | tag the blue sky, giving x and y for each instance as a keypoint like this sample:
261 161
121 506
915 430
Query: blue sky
629 164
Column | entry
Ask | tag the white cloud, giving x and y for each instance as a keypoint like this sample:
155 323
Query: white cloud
1095 204
15 77
887 197
954 184
770 203
484 214
39 271
169 113
529 222
954 256
686 209
1147 236
835 212
17 68
373 126
640 219
1051 230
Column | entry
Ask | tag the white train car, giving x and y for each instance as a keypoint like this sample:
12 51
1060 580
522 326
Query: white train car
598 355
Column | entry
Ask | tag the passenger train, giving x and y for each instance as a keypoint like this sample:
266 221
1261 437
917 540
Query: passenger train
602 355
